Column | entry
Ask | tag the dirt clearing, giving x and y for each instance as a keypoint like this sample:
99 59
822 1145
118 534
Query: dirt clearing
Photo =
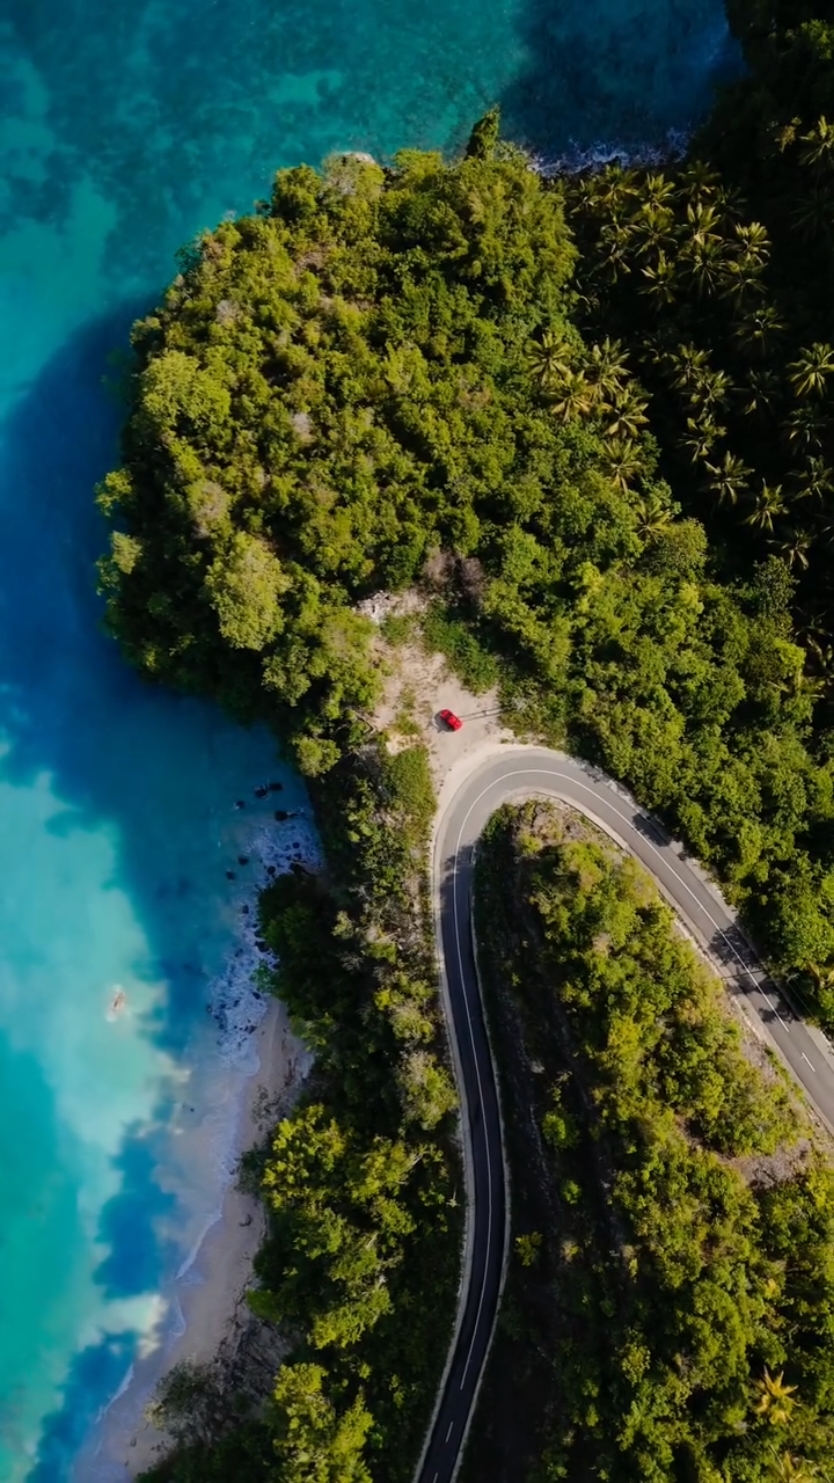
419 684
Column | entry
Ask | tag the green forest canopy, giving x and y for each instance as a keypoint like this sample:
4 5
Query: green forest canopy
610 399
673 1314
382 363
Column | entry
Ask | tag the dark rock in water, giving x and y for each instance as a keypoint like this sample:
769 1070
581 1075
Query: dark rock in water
281 814
240 803
260 945
230 875
261 792
276 787
245 910
243 859
271 870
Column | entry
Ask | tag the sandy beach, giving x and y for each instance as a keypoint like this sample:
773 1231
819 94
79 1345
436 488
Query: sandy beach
210 1294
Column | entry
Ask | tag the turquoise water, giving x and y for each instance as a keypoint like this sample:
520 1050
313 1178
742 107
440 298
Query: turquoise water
124 128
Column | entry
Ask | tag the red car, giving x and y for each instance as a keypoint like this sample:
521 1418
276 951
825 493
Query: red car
453 722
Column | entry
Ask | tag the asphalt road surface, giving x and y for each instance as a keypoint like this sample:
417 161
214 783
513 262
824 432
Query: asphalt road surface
518 772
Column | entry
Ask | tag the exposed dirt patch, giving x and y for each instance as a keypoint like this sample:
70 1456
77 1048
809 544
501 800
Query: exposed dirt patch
419 684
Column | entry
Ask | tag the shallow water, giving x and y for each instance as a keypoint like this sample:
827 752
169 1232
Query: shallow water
124 128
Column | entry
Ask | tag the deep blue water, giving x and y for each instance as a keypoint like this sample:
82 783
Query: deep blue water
124 128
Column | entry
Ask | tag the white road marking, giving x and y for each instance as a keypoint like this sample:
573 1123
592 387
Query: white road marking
551 776
583 787
480 1103
451 1429
663 852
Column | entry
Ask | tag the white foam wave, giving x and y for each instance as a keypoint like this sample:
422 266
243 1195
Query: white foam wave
237 1002
578 158
122 1388
185 1270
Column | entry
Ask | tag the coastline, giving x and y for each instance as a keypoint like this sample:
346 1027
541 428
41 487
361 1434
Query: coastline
208 1294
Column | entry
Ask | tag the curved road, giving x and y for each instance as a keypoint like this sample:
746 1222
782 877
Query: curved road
515 772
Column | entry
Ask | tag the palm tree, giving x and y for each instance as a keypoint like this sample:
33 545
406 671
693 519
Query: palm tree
757 330
656 190
687 365
577 397
822 657
794 548
728 479
784 136
616 185
754 241
587 193
729 200
653 225
700 179
741 281
793 1469
661 279
761 393
811 686
706 266
627 412
624 461
805 427
607 367
615 242
701 437
815 480
821 973
710 390
769 506
825 534
704 220
776 1399
548 358
820 151
809 375
652 516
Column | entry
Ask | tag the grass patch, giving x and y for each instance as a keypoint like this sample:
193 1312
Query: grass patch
453 636
399 628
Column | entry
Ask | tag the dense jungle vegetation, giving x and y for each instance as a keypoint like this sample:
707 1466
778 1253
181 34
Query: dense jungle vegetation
594 414
670 1308
361 1182
609 397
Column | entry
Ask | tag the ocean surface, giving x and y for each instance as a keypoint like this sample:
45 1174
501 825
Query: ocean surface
125 958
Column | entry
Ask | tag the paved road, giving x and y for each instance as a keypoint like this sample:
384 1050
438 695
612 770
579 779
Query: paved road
513 773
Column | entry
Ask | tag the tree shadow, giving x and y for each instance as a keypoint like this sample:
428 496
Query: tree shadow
604 77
